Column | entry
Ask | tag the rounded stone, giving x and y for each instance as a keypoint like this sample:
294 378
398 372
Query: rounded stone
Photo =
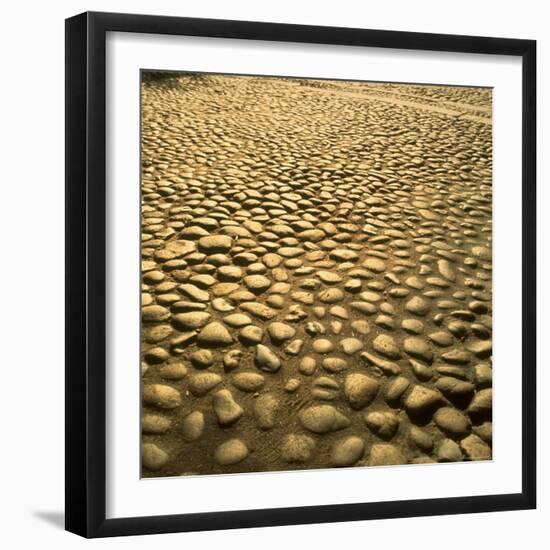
248 381
456 357
297 448
423 401
257 283
232 359
272 260
261 311
442 339
195 293
360 390
214 335
251 335
162 396
446 269
343 255
213 244
454 389
203 281
482 349
475 448
153 457
413 326
266 359
292 385
294 347
385 345
154 356
361 326
157 333
481 252
330 296
227 410
452 422
374 264
418 306
155 424
192 426
351 345
370 296
366 308
419 348
347 451
191 320
322 345
202 358
396 388
231 452
230 273
383 423
329 277
280 332
265 409
323 419
325 388
482 403
173 371
154 314
221 305
484 431
385 454
334 364
448 451
483 375
307 365
200 384
237 320
421 439
458 328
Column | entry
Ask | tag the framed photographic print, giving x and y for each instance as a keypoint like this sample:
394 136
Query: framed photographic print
300 262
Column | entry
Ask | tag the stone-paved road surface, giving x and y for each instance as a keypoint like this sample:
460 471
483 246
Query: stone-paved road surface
316 274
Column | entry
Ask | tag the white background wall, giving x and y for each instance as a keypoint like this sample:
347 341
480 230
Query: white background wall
31 270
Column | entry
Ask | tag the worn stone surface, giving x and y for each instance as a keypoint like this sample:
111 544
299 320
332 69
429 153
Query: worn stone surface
297 448
316 274
153 458
347 451
452 422
214 335
323 419
201 383
192 426
161 396
227 410
382 423
385 454
360 390
231 452
475 448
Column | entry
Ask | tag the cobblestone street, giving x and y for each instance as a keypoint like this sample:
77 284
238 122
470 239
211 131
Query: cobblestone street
316 274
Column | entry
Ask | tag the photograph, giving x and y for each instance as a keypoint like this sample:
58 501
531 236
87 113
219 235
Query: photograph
278 252
316 273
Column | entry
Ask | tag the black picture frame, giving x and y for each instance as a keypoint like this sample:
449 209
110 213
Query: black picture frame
86 279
